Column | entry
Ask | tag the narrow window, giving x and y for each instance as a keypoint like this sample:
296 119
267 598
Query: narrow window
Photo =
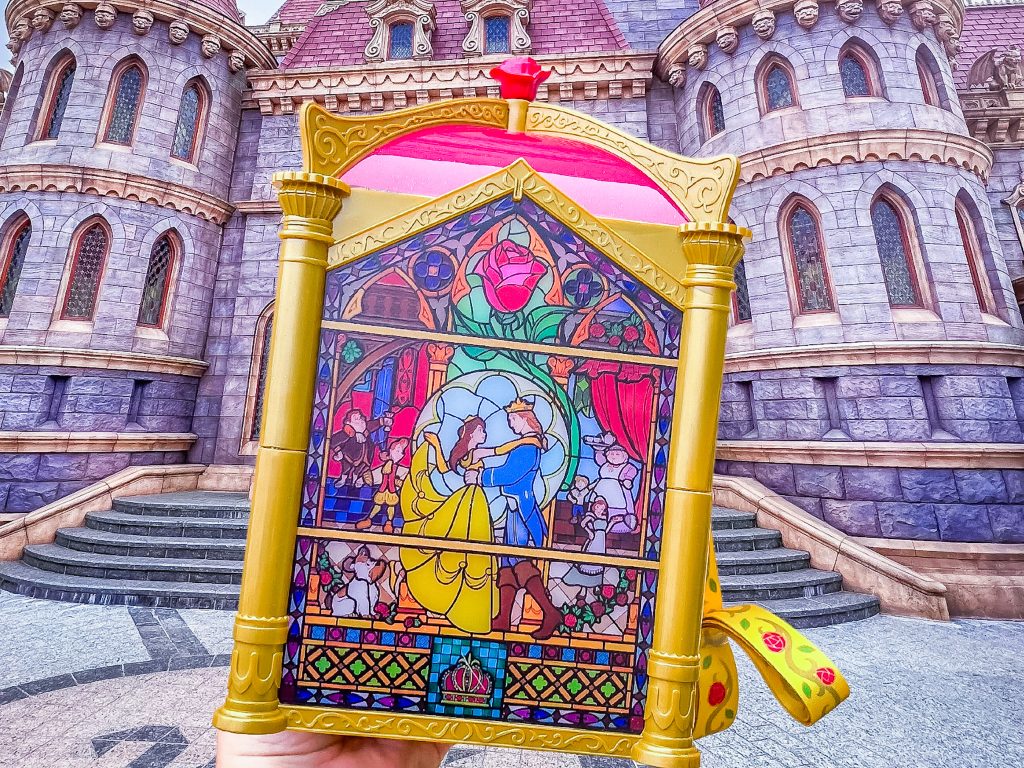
135 403
56 390
711 113
894 254
497 34
829 388
927 72
127 87
741 299
807 252
975 260
854 72
261 377
15 246
88 258
12 96
158 280
56 101
190 117
778 88
938 427
400 41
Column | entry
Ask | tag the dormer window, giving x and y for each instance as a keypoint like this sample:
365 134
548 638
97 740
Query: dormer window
497 27
402 30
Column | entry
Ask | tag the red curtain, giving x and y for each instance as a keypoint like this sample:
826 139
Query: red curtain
623 396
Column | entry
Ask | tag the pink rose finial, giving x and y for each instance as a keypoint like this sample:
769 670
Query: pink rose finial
520 76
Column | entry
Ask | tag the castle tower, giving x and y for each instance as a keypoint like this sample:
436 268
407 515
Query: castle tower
117 144
875 374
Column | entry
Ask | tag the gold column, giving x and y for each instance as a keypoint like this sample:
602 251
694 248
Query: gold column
712 251
310 202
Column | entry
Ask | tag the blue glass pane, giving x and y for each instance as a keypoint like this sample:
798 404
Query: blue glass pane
12 270
892 252
400 43
716 115
185 132
154 290
60 101
855 77
261 379
808 259
742 293
126 105
497 34
780 89
86 271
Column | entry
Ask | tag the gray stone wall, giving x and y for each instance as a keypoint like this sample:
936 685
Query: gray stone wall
646 24
1003 180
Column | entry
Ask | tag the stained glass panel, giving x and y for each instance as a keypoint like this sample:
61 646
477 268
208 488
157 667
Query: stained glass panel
154 290
715 113
497 34
400 41
126 106
891 241
61 94
12 270
86 270
854 76
187 130
261 379
809 262
779 89
742 293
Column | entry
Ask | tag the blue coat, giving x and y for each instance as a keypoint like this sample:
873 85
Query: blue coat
515 478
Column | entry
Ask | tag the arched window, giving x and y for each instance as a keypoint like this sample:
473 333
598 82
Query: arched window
12 95
894 253
158 280
14 247
928 73
127 89
802 236
258 376
89 249
858 72
400 40
741 299
497 34
975 254
191 114
712 115
55 99
776 89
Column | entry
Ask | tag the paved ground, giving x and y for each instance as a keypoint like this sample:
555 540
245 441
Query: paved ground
112 687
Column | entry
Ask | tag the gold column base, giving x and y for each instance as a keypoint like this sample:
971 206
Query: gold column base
658 756
251 705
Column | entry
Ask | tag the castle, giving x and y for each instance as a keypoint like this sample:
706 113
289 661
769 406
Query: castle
875 375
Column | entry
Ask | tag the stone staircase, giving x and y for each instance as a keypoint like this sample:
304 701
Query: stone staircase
184 550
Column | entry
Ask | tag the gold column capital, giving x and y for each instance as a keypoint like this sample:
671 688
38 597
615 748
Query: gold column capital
310 202
713 244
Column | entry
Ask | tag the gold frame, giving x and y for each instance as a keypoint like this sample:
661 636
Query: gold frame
696 275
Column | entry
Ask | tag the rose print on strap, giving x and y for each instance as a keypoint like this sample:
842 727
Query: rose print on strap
510 272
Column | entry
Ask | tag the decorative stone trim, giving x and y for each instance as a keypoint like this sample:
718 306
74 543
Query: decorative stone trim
89 358
995 117
877 353
383 13
862 146
880 454
199 18
395 85
278 37
110 183
702 27
95 442
478 11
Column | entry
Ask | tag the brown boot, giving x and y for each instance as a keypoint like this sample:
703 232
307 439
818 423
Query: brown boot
528 576
507 591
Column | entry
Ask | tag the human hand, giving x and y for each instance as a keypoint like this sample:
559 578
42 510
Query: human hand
296 749
472 477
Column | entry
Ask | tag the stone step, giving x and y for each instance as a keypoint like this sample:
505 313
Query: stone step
202 504
761 561
17 576
746 539
821 611
159 526
180 547
725 519
783 585
58 559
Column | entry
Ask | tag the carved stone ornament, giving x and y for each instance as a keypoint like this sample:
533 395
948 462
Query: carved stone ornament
210 46
697 56
850 10
728 39
478 11
384 13
14 46
42 20
178 32
806 12
105 15
763 23
142 22
22 30
236 61
71 15
945 27
677 75
922 14
997 70
889 10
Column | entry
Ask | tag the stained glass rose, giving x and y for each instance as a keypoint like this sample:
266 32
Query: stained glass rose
510 272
